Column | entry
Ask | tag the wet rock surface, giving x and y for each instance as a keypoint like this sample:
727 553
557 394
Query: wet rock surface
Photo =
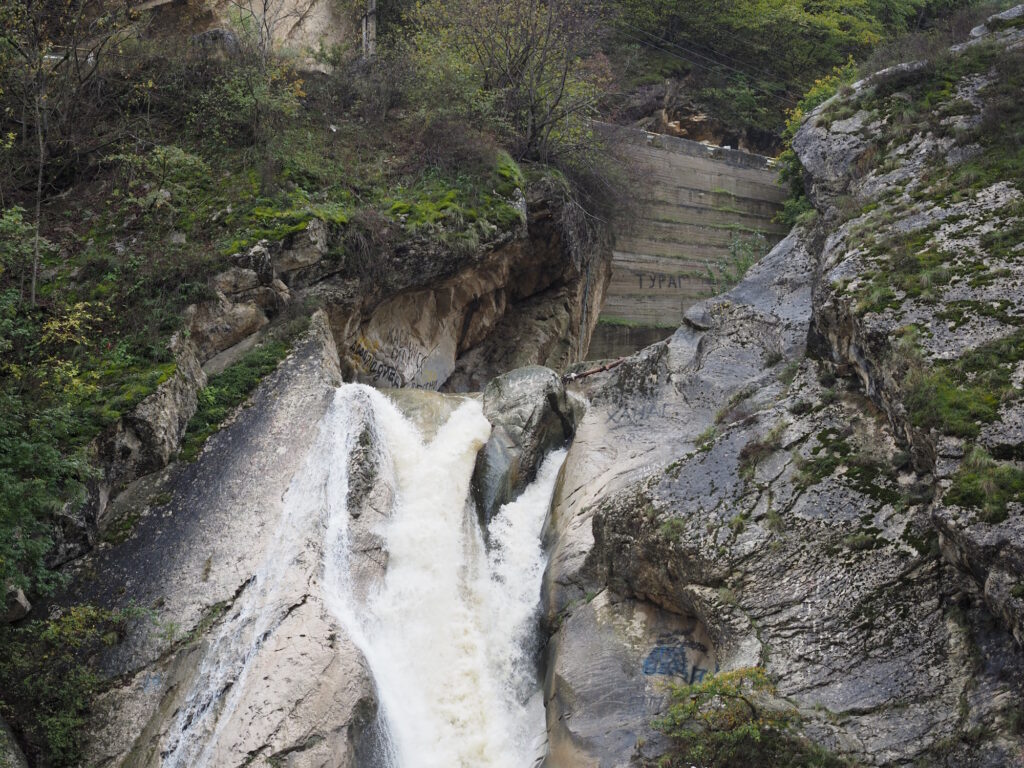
531 416
202 535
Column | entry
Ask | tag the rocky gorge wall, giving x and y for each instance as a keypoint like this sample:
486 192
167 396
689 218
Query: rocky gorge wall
801 479
421 314
762 490
195 546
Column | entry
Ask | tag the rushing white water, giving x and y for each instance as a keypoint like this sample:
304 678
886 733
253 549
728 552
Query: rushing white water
449 637
450 631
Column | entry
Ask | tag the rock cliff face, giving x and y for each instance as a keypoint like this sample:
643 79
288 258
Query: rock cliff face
421 314
424 314
819 472
206 536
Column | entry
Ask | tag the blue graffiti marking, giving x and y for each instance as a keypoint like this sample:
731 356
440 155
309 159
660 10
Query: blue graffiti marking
667 660
670 659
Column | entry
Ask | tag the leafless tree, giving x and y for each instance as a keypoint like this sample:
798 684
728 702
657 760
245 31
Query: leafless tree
538 55
57 46
264 22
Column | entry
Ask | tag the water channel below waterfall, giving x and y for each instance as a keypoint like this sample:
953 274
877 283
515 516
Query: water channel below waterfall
449 629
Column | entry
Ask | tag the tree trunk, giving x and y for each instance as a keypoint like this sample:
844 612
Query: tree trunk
39 188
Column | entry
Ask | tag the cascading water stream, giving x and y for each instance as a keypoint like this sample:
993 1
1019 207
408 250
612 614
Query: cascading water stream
450 631
449 636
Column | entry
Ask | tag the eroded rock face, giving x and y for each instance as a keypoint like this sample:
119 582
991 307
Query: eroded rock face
763 475
233 572
216 326
531 416
612 662
421 313
891 332
143 440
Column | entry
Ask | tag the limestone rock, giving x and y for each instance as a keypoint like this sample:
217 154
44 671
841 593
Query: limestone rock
951 320
236 280
531 417
146 439
623 654
303 252
10 754
217 325
16 605
772 502
305 698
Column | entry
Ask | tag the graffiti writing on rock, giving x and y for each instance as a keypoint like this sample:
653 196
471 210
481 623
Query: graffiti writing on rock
638 414
669 657
388 368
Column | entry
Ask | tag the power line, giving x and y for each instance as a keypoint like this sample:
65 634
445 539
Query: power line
716 63
780 99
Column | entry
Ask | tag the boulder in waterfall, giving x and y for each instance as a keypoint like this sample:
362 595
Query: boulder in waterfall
531 416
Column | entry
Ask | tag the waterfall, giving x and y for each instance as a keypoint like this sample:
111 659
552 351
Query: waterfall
449 636
449 632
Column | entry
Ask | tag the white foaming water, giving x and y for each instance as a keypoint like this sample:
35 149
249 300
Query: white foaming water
450 634
449 637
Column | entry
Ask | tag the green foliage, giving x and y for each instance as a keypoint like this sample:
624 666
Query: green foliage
748 60
228 390
797 207
49 675
958 396
473 205
706 438
245 105
744 252
985 484
731 719
15 243
529 68
673 529
935 400
36 478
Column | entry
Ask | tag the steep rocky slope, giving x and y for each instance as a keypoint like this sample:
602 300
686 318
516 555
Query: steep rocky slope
818 473
422 313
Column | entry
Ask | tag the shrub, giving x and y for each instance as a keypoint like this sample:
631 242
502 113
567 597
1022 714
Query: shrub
731 719
985 484
49 675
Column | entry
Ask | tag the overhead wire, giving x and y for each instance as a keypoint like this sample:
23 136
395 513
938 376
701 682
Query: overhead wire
713 67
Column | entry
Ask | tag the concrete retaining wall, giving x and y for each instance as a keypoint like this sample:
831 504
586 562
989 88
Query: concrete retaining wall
691 201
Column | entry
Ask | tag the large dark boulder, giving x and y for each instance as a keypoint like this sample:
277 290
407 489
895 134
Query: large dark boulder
531 416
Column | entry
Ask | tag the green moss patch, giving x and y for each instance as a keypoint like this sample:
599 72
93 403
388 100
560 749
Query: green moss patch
228 390
987 485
